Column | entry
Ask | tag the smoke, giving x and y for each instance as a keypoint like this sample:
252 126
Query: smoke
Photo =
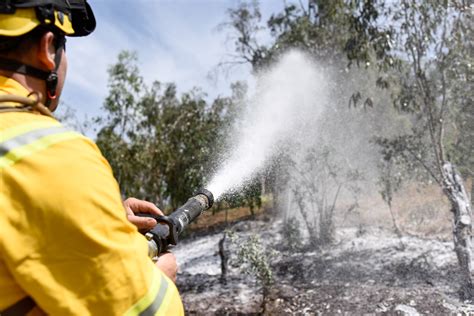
289 99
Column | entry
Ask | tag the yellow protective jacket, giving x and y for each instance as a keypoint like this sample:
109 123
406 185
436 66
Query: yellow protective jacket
65 240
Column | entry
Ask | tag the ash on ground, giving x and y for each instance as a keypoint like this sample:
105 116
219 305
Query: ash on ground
370 272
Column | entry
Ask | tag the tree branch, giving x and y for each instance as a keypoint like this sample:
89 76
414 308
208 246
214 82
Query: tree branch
428 169
335 198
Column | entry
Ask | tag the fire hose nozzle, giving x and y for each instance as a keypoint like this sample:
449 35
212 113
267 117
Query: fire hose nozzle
166 232
208 195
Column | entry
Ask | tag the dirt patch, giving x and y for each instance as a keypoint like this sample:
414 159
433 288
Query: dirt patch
359 274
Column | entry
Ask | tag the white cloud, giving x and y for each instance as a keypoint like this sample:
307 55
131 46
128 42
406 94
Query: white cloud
189 45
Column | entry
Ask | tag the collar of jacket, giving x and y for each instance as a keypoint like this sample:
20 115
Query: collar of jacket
11 86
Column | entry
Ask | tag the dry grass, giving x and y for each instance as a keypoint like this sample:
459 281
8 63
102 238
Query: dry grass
209 220
418 210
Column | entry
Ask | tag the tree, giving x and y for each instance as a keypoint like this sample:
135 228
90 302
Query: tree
254 259
119 137
431 80
160 145
317 184
422 54
244 22
333 31
324 30
390 182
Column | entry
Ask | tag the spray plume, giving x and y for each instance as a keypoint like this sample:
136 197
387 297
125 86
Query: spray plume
288 97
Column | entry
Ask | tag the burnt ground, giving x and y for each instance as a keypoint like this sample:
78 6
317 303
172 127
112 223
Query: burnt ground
370 272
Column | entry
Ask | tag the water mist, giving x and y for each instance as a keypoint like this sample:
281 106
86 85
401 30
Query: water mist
289 97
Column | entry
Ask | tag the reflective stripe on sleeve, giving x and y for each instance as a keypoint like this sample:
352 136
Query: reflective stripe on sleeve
150 304
19 142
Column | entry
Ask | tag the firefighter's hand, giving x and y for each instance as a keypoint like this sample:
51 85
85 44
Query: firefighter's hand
167 264
133 205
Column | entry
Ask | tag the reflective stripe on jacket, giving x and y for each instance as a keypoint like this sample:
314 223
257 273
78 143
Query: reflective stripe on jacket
24 140
64 238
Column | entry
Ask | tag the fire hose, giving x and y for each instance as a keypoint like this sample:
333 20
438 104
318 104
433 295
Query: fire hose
168 228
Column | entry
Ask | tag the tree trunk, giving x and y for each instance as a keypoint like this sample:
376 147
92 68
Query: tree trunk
396 229
472 191
224 255
462 228
326 227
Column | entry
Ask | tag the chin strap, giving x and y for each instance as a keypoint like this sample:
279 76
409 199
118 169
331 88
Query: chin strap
50 77
12 65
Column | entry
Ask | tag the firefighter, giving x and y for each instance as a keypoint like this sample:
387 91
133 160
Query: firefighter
68 245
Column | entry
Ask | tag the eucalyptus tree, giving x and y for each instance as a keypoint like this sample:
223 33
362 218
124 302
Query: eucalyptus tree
430 78
160 145
421 52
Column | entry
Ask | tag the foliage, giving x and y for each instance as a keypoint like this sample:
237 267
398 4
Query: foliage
245 20
422 51
333 31
253 258
163 146
249 195
291 232
430 77
158 144
317 183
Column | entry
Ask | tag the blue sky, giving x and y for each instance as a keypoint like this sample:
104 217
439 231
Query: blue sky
176 40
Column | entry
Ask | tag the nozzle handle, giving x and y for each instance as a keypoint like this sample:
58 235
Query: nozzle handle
162 236
166 232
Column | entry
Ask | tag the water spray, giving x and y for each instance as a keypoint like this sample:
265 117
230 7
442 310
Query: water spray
168 228
289 99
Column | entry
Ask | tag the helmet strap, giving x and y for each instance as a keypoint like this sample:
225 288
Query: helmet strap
14 66
46 14
50 77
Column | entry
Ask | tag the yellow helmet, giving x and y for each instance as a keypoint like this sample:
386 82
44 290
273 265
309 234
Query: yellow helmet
62 17
70 17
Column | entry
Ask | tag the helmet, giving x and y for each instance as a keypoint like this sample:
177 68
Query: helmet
18 18
70 17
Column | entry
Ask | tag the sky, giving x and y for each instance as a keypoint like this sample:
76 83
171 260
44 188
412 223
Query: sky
176 41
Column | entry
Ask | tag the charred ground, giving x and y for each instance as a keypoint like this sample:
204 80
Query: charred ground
368 270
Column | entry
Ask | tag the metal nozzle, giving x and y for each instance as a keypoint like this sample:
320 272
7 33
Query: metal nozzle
208 195
194 207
